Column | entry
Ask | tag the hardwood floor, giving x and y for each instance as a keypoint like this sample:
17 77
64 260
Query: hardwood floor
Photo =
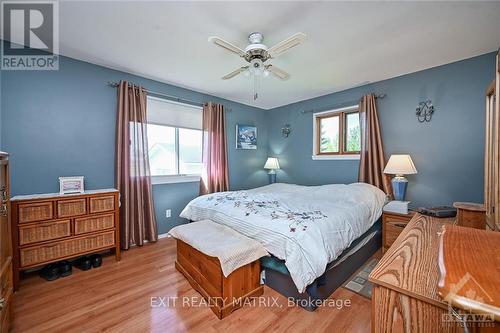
118 297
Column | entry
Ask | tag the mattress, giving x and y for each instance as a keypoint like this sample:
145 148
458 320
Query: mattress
305 226
271 262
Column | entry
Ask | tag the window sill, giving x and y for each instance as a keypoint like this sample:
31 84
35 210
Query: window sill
336 157
157 180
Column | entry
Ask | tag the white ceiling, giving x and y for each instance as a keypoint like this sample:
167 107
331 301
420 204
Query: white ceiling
349 43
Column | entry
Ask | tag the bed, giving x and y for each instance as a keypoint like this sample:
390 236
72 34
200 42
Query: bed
307 229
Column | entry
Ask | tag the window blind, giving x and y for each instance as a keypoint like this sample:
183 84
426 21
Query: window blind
170 113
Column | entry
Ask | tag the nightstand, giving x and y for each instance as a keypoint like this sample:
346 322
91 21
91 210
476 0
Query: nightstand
392 225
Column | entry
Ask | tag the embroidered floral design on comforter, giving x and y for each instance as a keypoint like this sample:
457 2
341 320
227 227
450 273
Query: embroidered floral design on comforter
270 208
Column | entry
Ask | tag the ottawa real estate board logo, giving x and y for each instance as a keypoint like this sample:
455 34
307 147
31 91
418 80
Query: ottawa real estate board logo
30 33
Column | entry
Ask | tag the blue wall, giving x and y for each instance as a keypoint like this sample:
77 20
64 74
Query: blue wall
448 151
62 123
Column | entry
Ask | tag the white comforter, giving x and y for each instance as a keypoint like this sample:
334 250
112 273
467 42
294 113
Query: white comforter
306 226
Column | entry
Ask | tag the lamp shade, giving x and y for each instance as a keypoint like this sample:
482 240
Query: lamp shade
272 163
400 165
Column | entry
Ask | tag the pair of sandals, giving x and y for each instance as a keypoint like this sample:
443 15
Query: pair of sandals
64 268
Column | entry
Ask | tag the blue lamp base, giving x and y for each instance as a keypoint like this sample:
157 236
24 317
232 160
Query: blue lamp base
272 176
399 184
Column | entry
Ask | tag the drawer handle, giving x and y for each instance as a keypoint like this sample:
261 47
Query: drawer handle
2 303
400 225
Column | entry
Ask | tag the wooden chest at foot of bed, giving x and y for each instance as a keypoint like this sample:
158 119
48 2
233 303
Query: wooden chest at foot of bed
223 294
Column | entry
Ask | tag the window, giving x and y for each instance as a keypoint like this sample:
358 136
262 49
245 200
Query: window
337 134
174 141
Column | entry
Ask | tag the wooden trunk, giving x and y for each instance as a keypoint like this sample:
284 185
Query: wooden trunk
51 227
223 294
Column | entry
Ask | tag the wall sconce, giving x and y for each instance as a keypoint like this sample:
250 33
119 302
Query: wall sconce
424 111
286 130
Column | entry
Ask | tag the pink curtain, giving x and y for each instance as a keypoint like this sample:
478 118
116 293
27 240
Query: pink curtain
372 161
132 177
215 175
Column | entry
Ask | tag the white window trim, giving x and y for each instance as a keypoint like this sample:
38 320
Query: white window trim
320 157
172 179
336 157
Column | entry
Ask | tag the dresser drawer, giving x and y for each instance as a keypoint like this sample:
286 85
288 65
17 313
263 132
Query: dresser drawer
35 211
94 223
102 204
392 229
74 207
396 218
44 231
46 253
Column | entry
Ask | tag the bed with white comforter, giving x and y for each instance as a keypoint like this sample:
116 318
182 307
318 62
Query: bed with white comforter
306 226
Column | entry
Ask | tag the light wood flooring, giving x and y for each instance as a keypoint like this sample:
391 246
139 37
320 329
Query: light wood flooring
117 297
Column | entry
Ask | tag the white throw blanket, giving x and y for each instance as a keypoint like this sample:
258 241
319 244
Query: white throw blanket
306 226
215 240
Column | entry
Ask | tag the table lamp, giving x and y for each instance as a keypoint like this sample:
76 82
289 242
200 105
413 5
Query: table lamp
272 165
400 165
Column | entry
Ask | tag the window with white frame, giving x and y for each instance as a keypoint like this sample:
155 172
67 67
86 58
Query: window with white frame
337 134
174 140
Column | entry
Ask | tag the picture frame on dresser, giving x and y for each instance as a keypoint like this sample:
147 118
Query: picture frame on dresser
47 228
68 185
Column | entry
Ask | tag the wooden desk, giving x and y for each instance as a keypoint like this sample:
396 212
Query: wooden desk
405 296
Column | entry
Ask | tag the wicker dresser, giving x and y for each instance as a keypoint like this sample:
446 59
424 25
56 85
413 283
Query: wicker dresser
50 227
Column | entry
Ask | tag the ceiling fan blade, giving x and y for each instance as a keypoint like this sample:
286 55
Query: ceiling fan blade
279 73
234 73
286 44
228 46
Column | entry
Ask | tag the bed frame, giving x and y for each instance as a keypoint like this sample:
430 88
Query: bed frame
333 278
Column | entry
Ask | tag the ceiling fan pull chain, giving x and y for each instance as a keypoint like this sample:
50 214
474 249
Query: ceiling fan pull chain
256 86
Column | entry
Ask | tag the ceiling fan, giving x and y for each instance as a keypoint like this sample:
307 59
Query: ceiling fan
256 54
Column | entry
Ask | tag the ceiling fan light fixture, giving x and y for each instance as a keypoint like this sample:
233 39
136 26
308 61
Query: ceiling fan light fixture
256 54
256 67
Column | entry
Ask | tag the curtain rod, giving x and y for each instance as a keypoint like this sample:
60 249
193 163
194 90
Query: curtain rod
344 104
155 93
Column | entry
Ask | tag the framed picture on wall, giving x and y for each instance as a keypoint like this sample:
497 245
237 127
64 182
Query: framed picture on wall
246 137
71 185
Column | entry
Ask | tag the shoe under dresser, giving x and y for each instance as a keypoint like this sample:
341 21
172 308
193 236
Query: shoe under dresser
51 227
